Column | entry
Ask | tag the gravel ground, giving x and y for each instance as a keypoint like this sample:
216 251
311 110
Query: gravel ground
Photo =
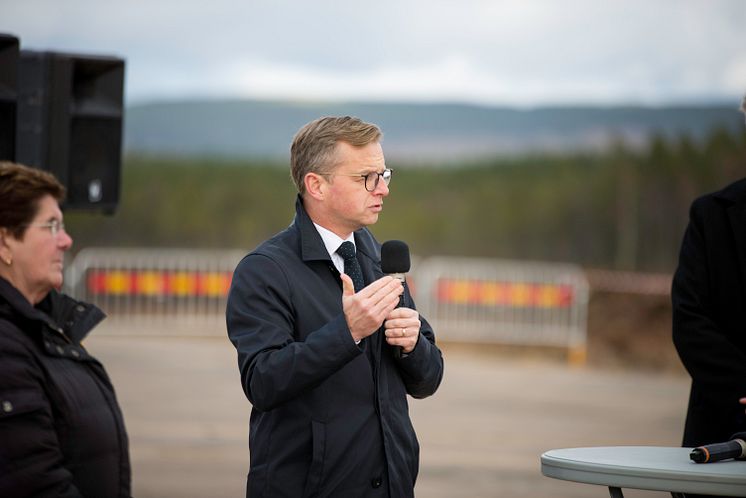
481 435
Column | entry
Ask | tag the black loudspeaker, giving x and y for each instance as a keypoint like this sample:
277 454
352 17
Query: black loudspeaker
70 123
8 96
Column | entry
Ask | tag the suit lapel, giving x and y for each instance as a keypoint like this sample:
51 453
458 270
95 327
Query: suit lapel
370 265
737 218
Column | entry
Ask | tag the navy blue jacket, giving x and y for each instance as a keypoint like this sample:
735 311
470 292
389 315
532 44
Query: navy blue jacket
709 314
61 429
329 418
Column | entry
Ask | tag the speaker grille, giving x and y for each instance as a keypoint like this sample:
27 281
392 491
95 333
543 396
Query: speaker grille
70 123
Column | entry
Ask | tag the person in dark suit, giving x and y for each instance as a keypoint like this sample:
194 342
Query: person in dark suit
709 314
62 433
327 355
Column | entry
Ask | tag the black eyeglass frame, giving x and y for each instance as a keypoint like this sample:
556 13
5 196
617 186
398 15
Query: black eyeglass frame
369 177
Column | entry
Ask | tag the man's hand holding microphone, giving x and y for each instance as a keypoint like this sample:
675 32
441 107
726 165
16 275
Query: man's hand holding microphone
380 301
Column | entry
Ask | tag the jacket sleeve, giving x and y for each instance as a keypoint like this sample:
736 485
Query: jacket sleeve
422 369
275 367
31 461
705 350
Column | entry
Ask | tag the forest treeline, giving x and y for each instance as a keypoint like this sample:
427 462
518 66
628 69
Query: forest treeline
623 209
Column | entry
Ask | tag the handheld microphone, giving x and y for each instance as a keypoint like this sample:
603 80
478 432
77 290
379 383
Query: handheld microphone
395 263
395 259
735 448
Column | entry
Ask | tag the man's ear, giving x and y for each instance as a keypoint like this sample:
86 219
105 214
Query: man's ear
5 253
315 186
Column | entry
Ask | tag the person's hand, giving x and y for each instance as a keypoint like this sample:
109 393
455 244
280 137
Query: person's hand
403 328
366 310
743 402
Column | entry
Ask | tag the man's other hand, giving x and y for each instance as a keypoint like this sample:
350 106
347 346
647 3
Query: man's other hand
366 310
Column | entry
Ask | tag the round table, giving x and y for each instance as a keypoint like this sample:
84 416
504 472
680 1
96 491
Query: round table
645 467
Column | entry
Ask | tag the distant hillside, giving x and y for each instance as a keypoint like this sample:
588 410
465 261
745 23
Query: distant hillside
415 132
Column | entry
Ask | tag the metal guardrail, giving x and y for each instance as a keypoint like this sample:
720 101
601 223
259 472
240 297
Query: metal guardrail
505 302
174 291
180 291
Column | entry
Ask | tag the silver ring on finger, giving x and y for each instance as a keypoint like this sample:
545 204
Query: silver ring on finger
403 332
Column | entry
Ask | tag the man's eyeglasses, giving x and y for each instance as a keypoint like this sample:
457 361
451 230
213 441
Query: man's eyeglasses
54 226
371 179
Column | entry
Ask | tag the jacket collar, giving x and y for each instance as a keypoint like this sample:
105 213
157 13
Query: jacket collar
312 246
16 304
61 313
735 195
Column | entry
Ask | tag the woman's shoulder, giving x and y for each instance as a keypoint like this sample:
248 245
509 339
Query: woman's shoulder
13 336
20 357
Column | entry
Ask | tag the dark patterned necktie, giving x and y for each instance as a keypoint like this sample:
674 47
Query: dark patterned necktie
352 267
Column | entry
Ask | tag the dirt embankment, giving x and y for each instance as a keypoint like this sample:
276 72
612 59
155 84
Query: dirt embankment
628 327
631 331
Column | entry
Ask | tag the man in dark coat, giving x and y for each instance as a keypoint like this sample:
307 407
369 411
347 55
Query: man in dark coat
709 314
709 320
326 354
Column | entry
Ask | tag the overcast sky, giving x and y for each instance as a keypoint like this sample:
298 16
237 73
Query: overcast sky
494 52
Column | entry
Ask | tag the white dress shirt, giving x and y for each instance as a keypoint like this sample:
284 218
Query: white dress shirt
332 242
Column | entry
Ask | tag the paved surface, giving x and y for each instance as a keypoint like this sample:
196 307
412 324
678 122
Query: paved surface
481 435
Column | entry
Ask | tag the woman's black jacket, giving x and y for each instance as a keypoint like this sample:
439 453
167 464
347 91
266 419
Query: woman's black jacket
61 429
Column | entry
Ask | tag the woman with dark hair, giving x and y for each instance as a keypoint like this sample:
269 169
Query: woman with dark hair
61 430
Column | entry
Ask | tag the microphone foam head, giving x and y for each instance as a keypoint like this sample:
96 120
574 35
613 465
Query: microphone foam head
395 257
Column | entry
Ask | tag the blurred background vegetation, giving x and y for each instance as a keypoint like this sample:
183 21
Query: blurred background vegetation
622 208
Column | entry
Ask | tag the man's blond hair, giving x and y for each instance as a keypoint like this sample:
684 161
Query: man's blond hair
314 146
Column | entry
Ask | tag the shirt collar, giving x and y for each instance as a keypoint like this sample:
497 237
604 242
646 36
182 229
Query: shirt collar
331 240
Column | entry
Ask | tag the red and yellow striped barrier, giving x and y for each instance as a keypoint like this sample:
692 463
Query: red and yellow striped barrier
507 294
149 283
